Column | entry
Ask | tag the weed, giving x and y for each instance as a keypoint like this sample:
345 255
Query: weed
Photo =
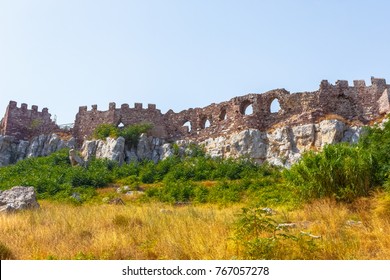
5 252
120 220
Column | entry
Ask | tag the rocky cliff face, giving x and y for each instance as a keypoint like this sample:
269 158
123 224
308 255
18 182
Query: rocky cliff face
282 146
12 150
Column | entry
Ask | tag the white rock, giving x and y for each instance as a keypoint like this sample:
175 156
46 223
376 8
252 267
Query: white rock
18 198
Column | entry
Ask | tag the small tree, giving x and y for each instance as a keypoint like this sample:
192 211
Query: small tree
105 130
132 133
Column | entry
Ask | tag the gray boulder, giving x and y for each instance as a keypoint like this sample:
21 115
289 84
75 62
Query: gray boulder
18 198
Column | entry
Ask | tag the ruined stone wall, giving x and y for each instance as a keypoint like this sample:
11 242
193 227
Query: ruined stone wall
358 104
23 123
87 120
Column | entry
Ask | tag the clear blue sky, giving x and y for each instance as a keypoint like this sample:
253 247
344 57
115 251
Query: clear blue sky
63 54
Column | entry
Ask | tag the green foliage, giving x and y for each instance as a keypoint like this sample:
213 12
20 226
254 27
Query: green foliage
376 141
105 130
259 236
54 177
178 178
341 171
132 133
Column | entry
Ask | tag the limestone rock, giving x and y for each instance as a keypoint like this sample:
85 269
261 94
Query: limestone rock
148 148
112 149
21 150
75 159
88 150
6 150
18 198
329 132
165 151
304 136
12 150
250 143
282 146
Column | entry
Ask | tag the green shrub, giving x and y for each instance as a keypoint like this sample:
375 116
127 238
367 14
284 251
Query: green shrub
376 141
341 171
105 130
258 236
132 133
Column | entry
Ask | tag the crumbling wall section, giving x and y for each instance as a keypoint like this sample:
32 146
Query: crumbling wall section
23 123
87 120
357 103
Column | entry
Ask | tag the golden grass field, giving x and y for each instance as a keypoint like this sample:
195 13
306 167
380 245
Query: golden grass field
161 231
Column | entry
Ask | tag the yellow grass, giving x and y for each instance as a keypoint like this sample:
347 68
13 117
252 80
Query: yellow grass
158 231
151 231
348 231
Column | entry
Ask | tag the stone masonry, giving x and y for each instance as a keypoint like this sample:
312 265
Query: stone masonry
357 104
23 123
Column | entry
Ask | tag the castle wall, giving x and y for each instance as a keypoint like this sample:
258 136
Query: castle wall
87 120
23 123
356 103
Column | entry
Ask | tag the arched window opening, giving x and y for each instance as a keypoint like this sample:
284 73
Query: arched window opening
275 106
207 124
187 124
246 108
223 115
249 110
204 122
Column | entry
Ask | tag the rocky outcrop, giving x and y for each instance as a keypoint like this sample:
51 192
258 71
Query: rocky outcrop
7 150
12 150
18 198
116 149
281 146
75 159
112 149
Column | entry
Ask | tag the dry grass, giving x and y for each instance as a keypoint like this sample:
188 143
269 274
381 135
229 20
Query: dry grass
59 231
134 231
348 231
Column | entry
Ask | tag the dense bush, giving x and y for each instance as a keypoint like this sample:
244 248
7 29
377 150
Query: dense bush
103 131
259 236
131 133
341 171
54 177
376 142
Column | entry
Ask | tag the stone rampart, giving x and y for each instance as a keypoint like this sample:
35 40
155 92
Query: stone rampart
24 123
357 103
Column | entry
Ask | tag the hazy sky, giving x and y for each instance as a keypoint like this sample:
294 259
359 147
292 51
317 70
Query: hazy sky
63 54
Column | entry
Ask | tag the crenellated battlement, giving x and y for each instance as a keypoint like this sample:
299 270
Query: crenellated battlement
87 120
357 103
23 123
13 105
112 107
357 84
